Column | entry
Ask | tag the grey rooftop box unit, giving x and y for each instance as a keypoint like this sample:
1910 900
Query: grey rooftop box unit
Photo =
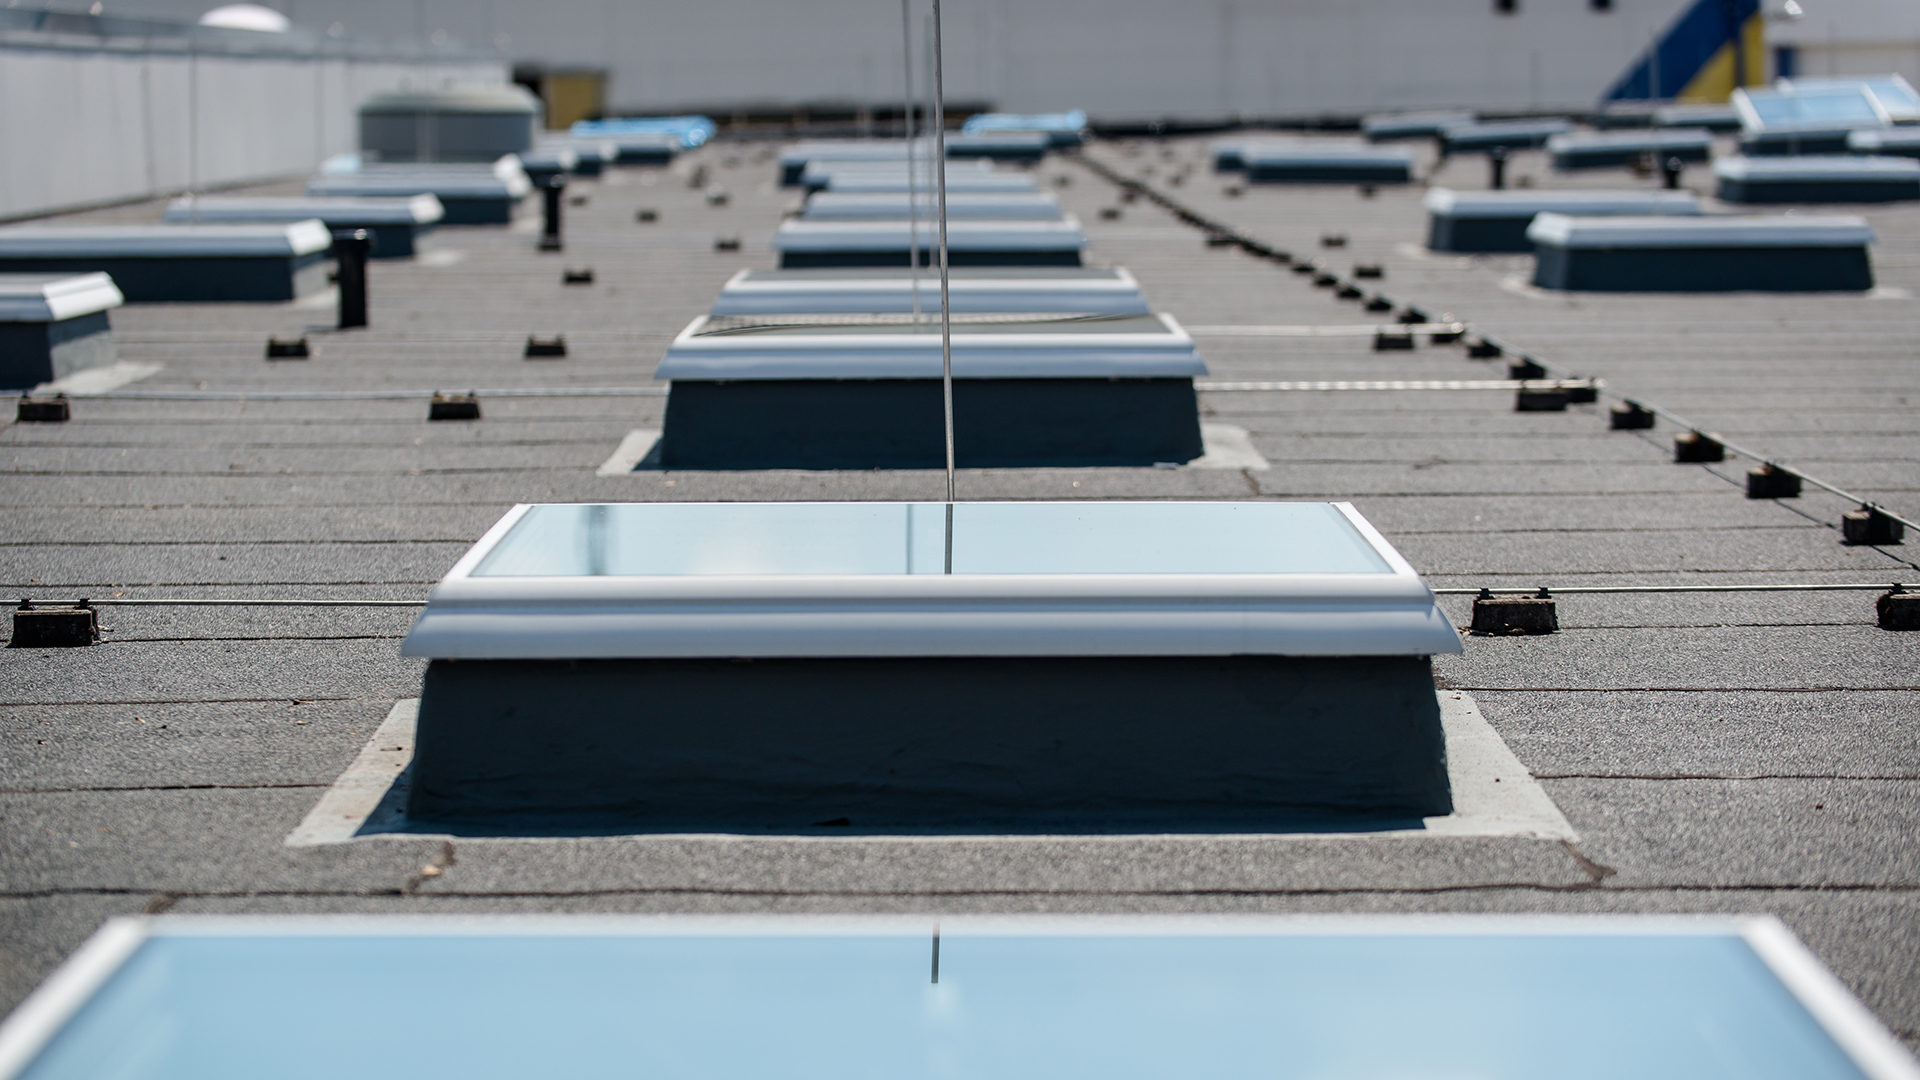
1084 667
1840 178
1078 290
1326 162
1626 113
821 174
1660 998
1804 253
54 325
1886 142
1815 120
171 263
1719 119
969 243
1893 93
1510 134
1002 206
468 194
863 392
1388 127
1494 221
396 223
1607 149
477 123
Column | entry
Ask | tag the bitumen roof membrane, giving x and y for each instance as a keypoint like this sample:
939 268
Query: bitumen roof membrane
1713 752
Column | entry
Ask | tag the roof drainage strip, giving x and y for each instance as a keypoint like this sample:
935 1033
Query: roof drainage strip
1102 666
971 290
1600 150
1327 163
969 243
1010 206
395 224
1839 178
179 263
1496 221
1665 998
864 392
1803 253
53 326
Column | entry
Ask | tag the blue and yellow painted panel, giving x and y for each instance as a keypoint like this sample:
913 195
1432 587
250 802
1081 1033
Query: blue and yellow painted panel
1694 59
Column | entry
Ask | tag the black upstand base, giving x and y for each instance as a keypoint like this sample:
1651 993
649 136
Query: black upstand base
956 745
899 423
1703 269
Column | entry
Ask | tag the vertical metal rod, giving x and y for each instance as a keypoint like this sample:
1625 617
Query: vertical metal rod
913 187
936 953
946 318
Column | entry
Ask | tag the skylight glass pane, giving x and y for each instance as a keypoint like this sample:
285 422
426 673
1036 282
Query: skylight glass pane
851 1007
674 539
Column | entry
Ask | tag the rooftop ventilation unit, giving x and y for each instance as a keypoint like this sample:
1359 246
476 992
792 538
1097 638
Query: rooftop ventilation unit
829 155
1489 221
685 132
1020 146
989 206
1388 127
396 224
1806 253
969 243
468 194
1719 119
1816 120
971 290
1611 149
1326 163
1061 129
1817 179
53 326
179 263
864 392
1230 155
1507 134
1144 666
1667 998
461 124
591 154
961 180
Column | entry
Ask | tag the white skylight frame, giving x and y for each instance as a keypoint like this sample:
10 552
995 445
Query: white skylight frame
906 354
471 617
1102 291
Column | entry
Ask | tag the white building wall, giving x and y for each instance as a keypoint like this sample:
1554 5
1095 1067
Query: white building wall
81 126
1115 58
